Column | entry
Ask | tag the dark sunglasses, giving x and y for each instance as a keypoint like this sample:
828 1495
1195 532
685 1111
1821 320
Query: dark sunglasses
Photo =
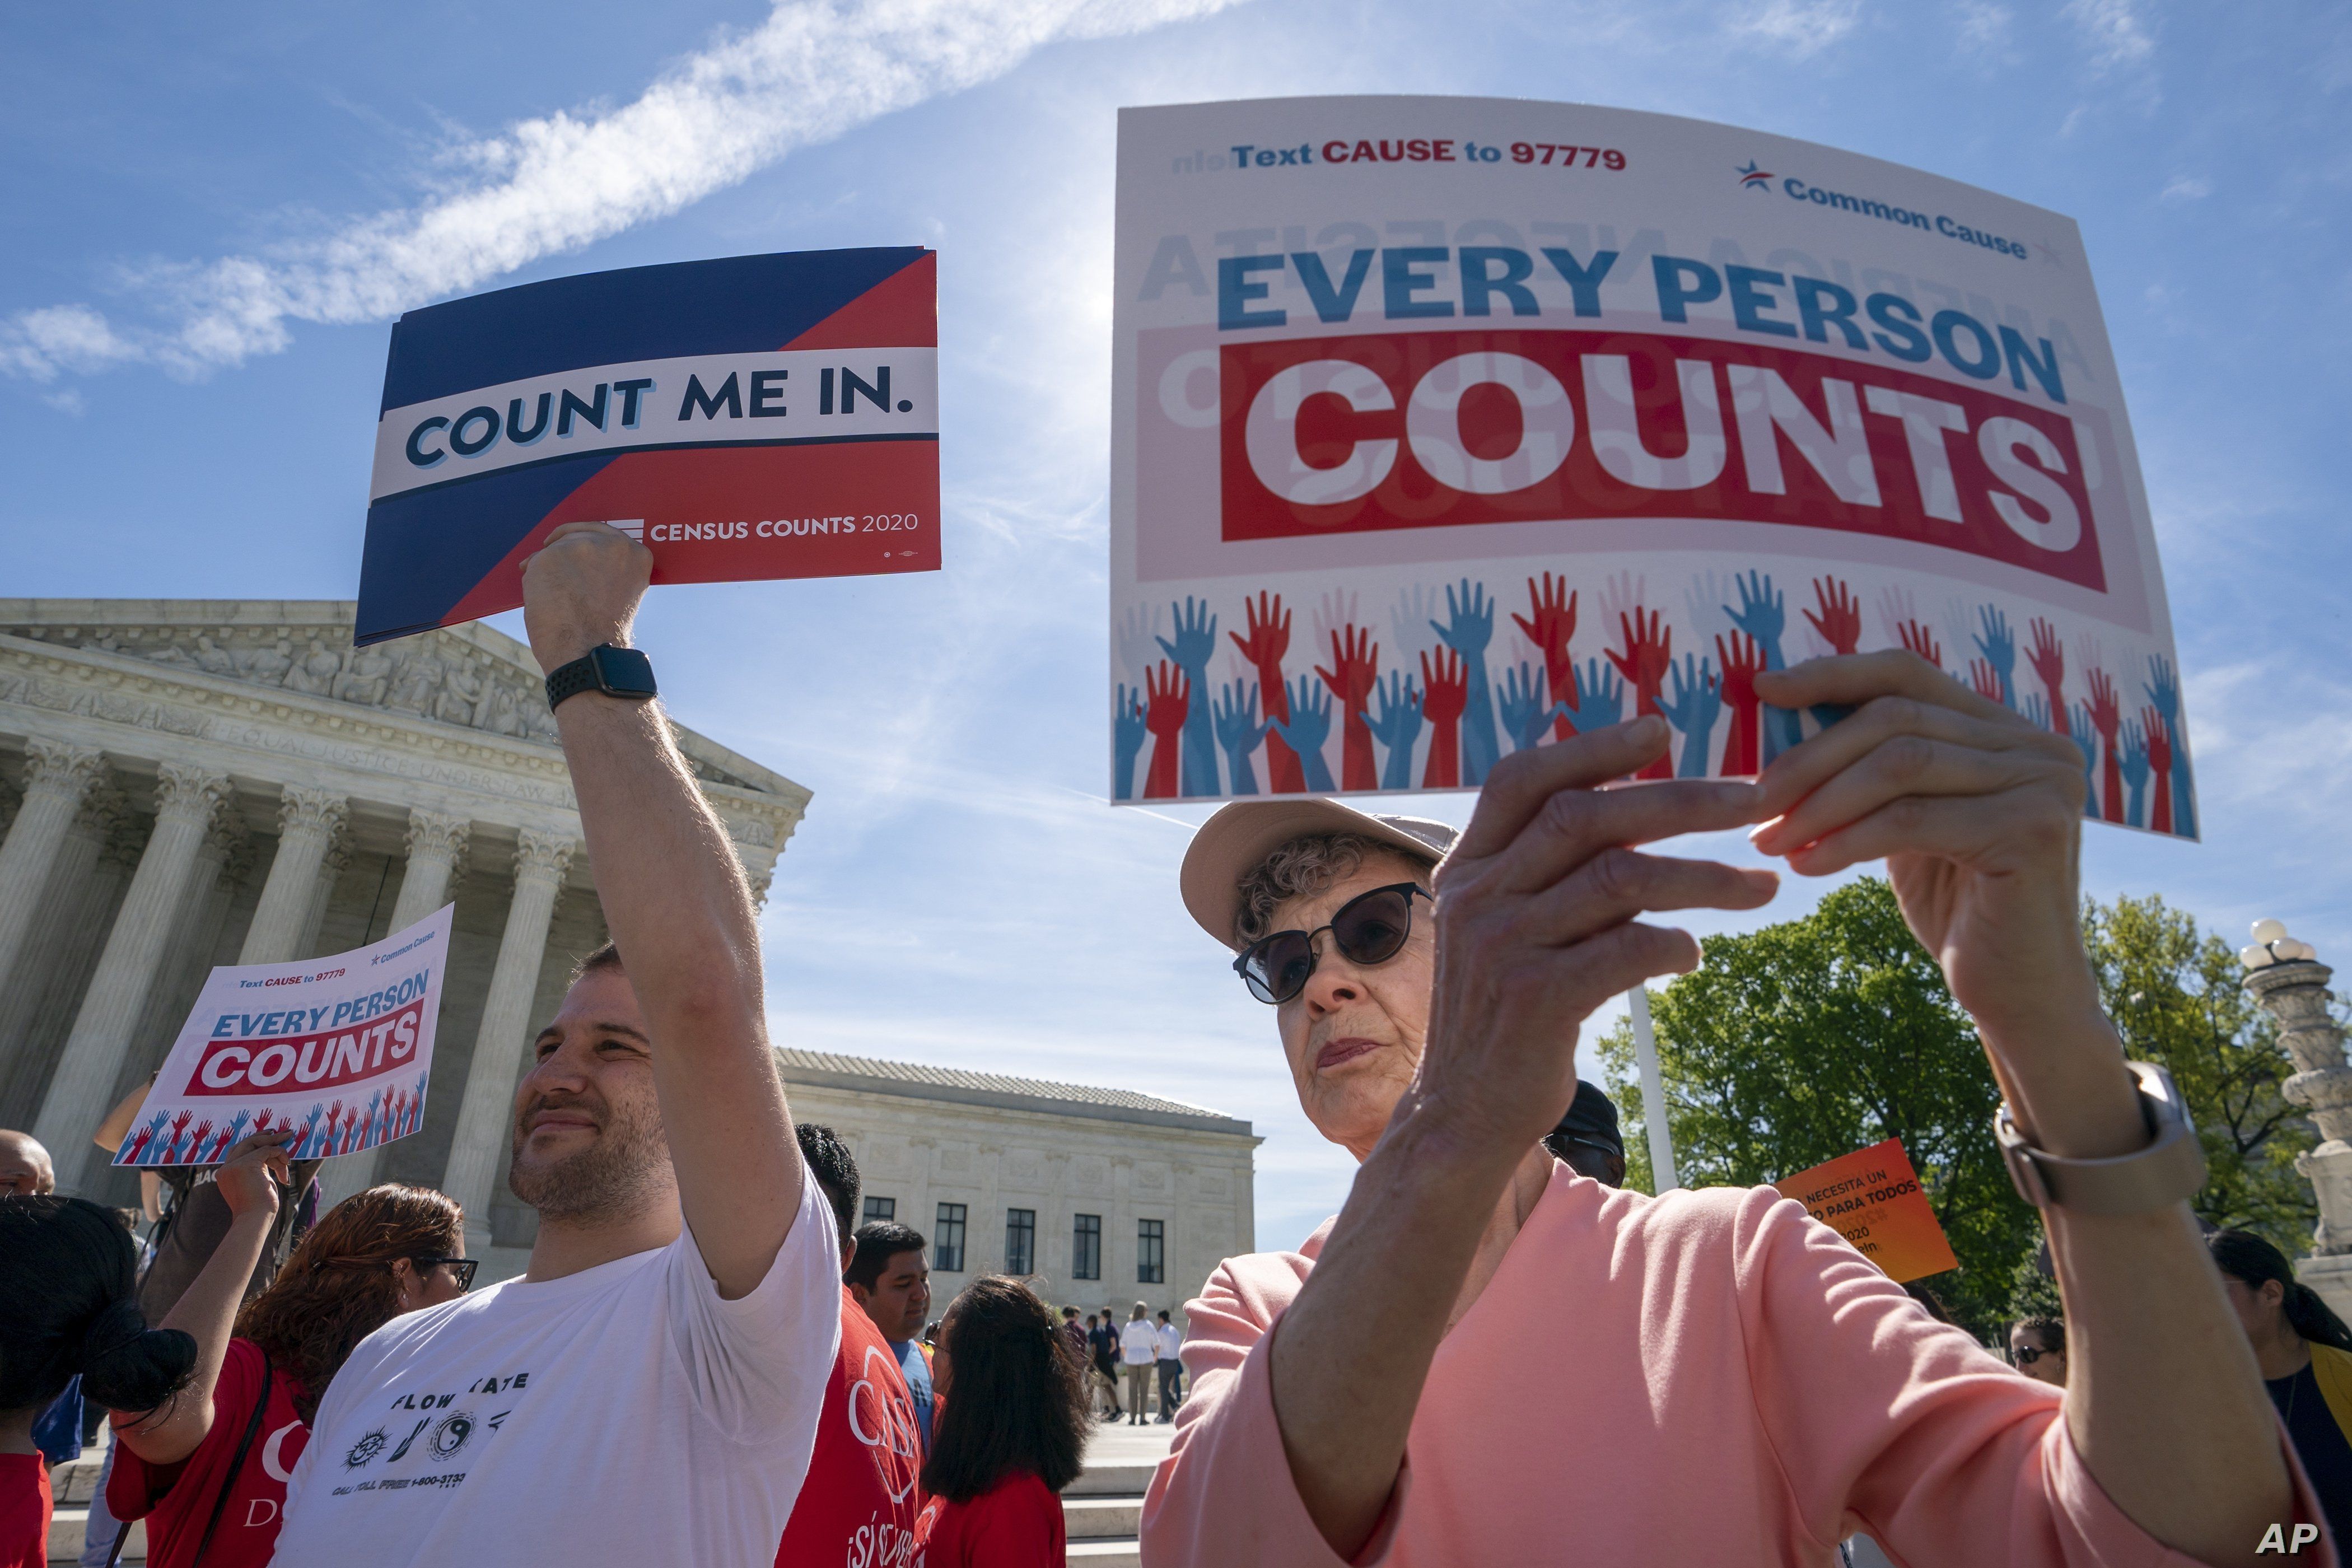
463 1267
1367 929
2026 1355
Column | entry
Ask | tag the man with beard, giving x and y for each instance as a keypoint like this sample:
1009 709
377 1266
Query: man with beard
648 1390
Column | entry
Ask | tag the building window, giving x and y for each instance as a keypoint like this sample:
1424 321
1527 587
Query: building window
883 1210
1151 1252
1020 1241
1086 1247
947 1240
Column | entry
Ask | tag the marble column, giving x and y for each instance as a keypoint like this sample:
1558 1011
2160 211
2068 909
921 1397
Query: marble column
81 1092
331 866
306 823
57 777
436 847
479 1149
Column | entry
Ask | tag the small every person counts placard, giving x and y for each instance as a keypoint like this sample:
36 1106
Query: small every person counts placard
1871 1199
757 416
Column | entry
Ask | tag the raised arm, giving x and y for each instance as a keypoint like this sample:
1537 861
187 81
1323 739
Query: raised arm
1978 814
207 1310
677 904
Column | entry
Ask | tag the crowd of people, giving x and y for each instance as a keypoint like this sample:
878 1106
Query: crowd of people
1493 1354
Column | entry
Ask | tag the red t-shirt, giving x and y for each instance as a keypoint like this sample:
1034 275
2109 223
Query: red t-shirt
24 1511
860 1501
1017 1523
177 1500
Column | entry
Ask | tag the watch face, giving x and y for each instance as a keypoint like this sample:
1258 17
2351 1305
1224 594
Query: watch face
623 671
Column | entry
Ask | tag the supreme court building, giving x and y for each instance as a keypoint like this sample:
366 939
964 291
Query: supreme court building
190 783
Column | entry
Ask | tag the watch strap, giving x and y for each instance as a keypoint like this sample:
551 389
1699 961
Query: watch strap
595 672
570 680
2169 1170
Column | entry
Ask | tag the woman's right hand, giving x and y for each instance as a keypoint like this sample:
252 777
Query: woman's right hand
250 1178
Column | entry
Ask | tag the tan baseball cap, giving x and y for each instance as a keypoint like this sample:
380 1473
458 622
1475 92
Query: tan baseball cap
1238 838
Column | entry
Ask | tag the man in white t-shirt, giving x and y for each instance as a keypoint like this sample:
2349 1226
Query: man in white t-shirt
1170 1344
1138 1355
648 1391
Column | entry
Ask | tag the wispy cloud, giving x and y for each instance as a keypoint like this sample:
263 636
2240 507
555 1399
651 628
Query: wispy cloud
814 69
2115 31
1801 27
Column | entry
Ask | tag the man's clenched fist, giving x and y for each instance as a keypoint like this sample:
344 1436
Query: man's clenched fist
581 589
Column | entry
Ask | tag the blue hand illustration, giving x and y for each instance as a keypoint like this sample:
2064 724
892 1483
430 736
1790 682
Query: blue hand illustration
2086 741
2037 711
1239 733
1308 726
1998 646
2133 764
1470 624
2164 694
1526 706
1693 700
236 1129
1127 736
310 1129
1196 640
1396 726
1599 700
1763 615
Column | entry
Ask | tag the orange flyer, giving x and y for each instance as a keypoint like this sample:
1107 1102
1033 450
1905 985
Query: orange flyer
1871 1199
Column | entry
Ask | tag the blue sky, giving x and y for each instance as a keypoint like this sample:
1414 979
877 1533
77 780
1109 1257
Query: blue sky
208 217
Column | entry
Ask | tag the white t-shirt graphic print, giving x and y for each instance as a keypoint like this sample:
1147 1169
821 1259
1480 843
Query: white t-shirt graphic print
621 1414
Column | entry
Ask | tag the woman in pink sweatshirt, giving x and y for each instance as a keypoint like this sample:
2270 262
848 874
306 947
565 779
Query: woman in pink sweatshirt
1487 1359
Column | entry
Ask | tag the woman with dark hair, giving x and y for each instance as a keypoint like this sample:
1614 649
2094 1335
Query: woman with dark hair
1009 1433
2037 1347
208 1469
68 1304
2306 1354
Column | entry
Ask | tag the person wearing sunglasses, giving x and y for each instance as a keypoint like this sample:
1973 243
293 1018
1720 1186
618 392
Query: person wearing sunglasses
207 1469
1727 1381
2037 1347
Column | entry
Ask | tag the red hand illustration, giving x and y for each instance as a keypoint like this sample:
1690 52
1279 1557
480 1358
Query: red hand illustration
1553 626
1840 622
2106 718
261 1121
1268 641
2048 657
1740 660
139 1144
1649 650
2160 765
179 1126
196 1139
1921 641
1359 660
1169 697
1445 692
1986 679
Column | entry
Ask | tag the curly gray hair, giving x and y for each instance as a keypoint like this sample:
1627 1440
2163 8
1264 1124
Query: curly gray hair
1303 866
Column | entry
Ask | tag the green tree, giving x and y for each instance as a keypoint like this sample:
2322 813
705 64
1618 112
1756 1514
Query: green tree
1808 1039
2173 993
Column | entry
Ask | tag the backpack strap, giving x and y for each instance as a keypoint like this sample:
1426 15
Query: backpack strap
236 1464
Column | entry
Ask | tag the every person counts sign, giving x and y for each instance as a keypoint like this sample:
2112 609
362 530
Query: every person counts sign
752 417
1444 427
338 1049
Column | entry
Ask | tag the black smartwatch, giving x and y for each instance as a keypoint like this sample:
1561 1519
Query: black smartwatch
614 671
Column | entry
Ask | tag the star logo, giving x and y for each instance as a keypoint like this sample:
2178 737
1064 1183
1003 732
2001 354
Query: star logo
1752 178
2049 256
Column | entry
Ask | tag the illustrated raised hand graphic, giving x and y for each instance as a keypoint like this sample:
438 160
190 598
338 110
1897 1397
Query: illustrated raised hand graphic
1599 700
1762 615
2106 718
1238 733
2048 657
2164 692
1268 641
1127 734
1444 693
2037 711
1840 621
1308 726
2159 765
2133 767
1741 661
1915 636
2086 741
1551 623
1396 726
1167 698
229 1134
309 1127
365 1132
334 1114
1998 646
179 1132
1356 660
1987 680
1523 700
1648 654
1196 640
1470 625
146 1135
1693 701
261 1120
196 1141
